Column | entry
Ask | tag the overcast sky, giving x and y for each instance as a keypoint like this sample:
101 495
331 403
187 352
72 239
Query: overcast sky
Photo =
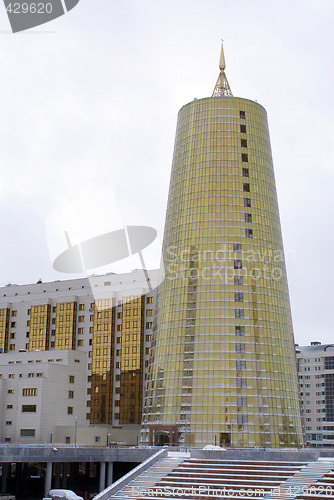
89 102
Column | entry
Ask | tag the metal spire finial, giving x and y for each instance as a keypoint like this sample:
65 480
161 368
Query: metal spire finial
222 87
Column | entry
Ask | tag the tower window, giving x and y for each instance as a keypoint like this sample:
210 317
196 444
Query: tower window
238 280
240 347
241 382
248 218
246 187
240 365
247 202
242 400
237 264
236 247
239 313
242 114
249 233
240 330
243 129
244 157
238 297
245 172
244 143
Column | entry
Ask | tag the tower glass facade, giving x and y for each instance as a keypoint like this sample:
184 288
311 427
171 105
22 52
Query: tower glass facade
223 367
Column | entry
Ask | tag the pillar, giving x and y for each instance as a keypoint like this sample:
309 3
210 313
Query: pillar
5 472
110 473
57 478
64 476
48 478
102 475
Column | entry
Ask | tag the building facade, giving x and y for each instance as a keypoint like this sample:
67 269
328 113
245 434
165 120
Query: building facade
316 382
105 322
41 390
223 367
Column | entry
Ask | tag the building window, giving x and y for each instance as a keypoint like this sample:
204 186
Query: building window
31 391
27 432
81 331
81 319
249 233
242 115
247 202
248 218
8 422
237 264
239 313
12 347
246 187
119 328
81 307
11 375
238 280
149 312
148 338
238 297
80 342
244 157
149 300
149 324
70 394
244 143
29 408
240 347
240 330
14 313
243 129
245 172
71 379
236 247
13 324
70 410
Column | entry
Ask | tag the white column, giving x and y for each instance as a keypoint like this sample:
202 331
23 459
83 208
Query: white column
102 475
48 478
110 473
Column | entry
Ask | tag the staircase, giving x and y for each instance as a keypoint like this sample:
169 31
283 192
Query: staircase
147 480
302 481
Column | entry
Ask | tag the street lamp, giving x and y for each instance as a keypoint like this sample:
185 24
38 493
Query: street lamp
75 430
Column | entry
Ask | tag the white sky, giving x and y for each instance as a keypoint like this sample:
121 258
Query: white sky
89 102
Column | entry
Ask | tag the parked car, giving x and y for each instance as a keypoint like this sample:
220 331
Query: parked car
6 496
62 495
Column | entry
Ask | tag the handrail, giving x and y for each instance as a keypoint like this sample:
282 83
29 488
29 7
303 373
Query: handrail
123 481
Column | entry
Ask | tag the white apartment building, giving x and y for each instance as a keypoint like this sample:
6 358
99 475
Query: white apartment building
75 353
39 391
316 382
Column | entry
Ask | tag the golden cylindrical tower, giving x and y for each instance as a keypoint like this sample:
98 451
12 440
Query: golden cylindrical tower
223 368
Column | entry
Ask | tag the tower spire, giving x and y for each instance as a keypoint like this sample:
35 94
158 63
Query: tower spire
222 87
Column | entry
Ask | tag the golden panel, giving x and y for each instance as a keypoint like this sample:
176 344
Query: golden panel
39 327
66 323
101 403
132 360
4 329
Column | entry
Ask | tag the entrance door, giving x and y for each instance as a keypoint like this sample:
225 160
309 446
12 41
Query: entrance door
225 439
